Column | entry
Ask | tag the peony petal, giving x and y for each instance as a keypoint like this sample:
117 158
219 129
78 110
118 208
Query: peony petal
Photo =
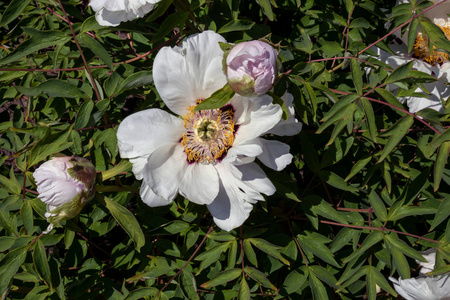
150 198
200 183
291 126
240 187
143 132
165 169
257 121
189 72
438 90
106 17
250 148
275 154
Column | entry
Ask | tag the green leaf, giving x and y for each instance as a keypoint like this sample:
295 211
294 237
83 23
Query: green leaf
126 220
250 253
380 280
317 288
189 284
442 212
266 8
360 164
11 185
268 248
49 144
135 80
26 214
296 279
309 152
400 73
122 166
260 277
176 19
319 206
343 114
336 181
396 133
339 105
391 99
222 277
404 248
370 118
10 264
140 293
372 239
236 25
412 33
41 264
53 88
399 260
97 48
356 76
84 114
217 100
39 40
212 255
314 243
12 11
244 290
441 161
378 206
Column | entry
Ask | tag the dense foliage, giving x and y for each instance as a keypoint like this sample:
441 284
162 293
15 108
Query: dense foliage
367 190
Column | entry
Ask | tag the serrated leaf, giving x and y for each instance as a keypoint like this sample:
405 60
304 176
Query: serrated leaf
10 264
236 25
127 221
222 277
217 100
268 248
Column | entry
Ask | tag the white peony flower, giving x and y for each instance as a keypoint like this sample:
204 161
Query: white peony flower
430 256
252 68
423 288
436 63
206 156
65 184
112 12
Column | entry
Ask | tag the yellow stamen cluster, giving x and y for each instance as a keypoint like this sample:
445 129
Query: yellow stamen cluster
421 49
209 134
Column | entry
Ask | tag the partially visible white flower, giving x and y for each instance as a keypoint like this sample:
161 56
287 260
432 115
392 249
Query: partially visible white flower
112 12
206 156
65 184
251 68
434 63
438 90
423 288
428 266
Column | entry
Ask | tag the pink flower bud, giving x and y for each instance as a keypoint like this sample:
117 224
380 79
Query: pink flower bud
65 184
251 68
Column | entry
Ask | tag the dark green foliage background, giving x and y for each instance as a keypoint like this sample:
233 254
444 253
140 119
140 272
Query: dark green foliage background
368 188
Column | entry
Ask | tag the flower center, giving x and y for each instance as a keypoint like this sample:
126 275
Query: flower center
209 134
422 51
